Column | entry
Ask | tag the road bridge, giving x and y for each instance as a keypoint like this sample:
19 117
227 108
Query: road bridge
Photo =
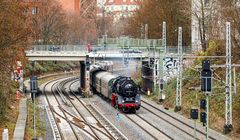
79 52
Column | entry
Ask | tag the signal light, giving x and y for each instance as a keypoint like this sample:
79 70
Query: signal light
161 84
87 62
152 61
194 114
206 65
203 117
203 104
206 80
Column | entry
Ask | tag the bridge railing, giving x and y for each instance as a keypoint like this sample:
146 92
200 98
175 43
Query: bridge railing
58 48
108 49
131 42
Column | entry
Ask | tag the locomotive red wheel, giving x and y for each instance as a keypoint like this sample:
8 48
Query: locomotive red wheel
113 101
116 103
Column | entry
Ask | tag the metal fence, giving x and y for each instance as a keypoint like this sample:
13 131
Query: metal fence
109 48
131 42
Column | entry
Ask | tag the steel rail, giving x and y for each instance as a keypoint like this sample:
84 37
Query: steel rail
54 117
172 118
54 94
63 84
91 113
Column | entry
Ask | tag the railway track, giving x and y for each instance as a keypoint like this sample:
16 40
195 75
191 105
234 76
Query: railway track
70 100
156 133
113 132
103 125
52 118
58 112
173 121
145 125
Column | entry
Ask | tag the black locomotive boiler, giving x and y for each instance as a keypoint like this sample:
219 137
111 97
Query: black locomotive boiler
121 90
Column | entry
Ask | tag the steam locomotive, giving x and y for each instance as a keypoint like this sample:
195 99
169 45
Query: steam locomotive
120 90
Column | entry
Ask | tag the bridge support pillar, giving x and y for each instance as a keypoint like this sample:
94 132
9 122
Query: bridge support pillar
82 76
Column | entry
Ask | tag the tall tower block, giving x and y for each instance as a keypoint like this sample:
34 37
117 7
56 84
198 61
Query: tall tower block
77 6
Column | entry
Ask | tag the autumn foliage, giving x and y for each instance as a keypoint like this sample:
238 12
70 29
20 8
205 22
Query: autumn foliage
14 38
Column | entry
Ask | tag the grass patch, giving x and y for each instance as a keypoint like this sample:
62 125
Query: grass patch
40 128
11 114
191 98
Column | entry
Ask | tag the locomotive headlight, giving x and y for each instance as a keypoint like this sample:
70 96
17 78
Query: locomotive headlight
123 101
136 101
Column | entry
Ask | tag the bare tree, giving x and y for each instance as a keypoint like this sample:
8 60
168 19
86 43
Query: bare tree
204 20
50 24
155 12
230 12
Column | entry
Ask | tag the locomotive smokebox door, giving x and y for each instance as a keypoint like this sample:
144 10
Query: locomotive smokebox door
194 114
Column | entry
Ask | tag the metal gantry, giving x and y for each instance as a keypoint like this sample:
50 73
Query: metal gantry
161 57
179 76
155 67
228 88
164 37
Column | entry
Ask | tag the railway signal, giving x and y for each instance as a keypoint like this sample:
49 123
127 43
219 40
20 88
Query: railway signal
152 60
206 87
203 104
87 62
203 115
194 116
34 90
206 76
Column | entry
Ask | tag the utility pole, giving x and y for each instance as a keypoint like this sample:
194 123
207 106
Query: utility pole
103 18
164 37
146 42
179 77
155 68
142 31
161 62
146 31
228 87
206 88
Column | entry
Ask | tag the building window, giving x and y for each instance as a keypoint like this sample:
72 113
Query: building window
34 10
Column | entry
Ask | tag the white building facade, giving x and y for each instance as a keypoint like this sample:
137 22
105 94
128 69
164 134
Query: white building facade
117 8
